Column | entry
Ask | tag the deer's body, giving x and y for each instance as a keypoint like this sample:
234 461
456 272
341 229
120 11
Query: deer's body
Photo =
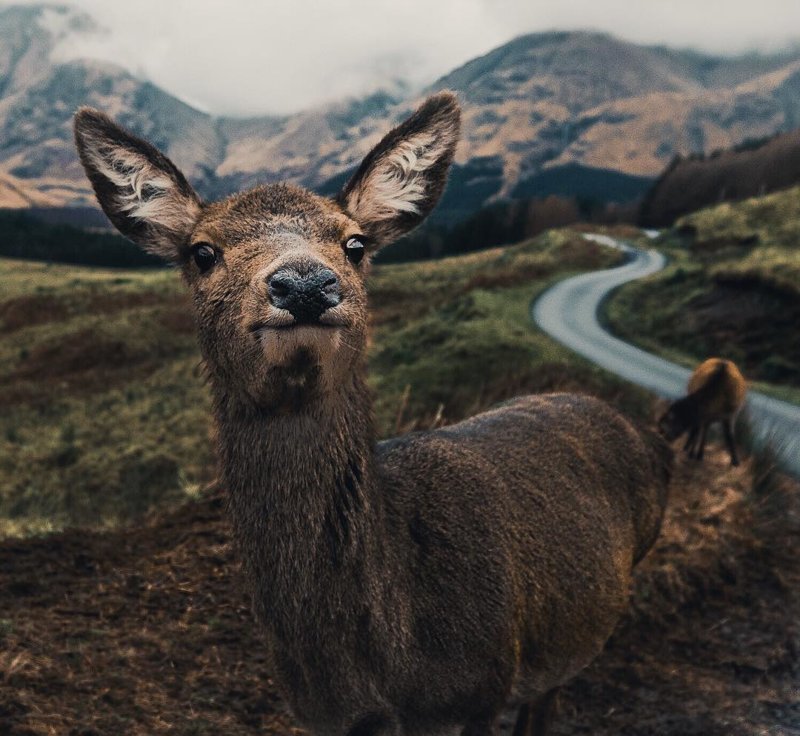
725 385
716 393
407 586
429 583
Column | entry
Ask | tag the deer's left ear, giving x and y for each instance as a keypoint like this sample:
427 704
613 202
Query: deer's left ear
401 179
143 193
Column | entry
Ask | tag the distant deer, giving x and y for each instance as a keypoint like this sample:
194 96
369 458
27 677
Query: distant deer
716 393
406 586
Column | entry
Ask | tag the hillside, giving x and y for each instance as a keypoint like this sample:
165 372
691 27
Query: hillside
25 234
539 111
142 626
103 412
732 289
689 184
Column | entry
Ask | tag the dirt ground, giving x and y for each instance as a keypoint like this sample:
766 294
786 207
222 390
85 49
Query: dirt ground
148 631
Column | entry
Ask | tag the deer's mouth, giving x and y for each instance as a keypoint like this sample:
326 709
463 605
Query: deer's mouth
258 328
283 321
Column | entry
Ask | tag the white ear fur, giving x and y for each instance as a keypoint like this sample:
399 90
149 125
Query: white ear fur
397 183
144 192
402 178
141 190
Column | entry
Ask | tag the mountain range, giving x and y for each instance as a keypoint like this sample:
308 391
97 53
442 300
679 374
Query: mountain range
576 113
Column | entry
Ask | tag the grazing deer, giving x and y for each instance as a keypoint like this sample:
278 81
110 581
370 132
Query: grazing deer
405 586
716 393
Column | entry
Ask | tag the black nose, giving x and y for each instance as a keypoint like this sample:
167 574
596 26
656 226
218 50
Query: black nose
306 296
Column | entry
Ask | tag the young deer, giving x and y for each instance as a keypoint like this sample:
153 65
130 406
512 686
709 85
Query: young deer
716 393
405 586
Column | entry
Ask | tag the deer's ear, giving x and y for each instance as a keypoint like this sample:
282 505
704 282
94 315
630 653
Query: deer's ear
141 190
401 179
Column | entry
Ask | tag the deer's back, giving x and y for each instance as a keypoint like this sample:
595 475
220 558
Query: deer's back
522 526
730 390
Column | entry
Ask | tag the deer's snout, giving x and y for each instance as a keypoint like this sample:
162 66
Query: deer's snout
304 295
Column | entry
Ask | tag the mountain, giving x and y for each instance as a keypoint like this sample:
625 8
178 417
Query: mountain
573 112
547 100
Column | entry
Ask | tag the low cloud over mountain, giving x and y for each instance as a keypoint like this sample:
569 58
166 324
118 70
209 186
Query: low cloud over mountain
534 108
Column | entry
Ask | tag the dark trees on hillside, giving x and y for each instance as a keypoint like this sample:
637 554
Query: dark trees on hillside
751 169
23 236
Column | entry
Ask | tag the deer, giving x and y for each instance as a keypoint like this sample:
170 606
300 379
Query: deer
418 584
716 393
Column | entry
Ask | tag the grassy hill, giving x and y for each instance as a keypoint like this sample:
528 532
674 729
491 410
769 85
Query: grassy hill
103 412
146 629
732 289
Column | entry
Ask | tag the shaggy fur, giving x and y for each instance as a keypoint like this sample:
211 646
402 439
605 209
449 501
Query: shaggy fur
415 585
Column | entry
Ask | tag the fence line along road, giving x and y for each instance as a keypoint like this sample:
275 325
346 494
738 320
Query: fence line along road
568 313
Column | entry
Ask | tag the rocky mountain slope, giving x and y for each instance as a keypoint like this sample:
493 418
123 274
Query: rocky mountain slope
544 107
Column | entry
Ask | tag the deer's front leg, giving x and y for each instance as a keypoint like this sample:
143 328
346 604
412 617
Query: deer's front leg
484 726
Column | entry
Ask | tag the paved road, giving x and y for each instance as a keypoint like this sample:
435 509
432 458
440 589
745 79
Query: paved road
568 313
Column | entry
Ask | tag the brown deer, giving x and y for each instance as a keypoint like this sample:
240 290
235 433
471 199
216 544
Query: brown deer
717 391
406 586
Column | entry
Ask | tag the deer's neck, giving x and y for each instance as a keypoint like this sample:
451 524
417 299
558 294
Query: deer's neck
303 501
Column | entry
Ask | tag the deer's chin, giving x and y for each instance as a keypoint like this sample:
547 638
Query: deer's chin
298 371
305 350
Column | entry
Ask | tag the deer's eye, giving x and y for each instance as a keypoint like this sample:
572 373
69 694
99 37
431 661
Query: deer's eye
204 256
354 250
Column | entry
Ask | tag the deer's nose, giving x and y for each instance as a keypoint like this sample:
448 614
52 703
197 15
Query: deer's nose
305 296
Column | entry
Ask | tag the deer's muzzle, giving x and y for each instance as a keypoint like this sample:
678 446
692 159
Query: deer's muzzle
306 296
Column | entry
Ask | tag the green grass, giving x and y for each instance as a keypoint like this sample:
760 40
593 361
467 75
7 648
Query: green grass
757 237
98 390
732 289
104 416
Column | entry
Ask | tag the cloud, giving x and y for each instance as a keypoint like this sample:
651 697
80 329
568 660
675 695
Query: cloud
244 57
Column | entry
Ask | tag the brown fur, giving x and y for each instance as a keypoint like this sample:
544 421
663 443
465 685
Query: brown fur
716 393
420 583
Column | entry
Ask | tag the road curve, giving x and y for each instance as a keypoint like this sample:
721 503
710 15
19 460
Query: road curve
568 313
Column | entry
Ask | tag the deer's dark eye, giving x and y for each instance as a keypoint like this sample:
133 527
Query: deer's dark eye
354 250
204 256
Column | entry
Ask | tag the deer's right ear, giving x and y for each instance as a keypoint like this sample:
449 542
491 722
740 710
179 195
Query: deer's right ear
141 190
401 179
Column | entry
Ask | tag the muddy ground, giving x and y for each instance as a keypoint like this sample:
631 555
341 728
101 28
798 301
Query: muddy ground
148 631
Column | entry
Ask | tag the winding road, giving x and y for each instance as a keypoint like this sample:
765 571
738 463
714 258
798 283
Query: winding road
568 313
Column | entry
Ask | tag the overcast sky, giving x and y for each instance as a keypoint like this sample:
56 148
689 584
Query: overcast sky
247 57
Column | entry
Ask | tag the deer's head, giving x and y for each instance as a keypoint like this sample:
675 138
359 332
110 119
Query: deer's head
276 272
677 418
